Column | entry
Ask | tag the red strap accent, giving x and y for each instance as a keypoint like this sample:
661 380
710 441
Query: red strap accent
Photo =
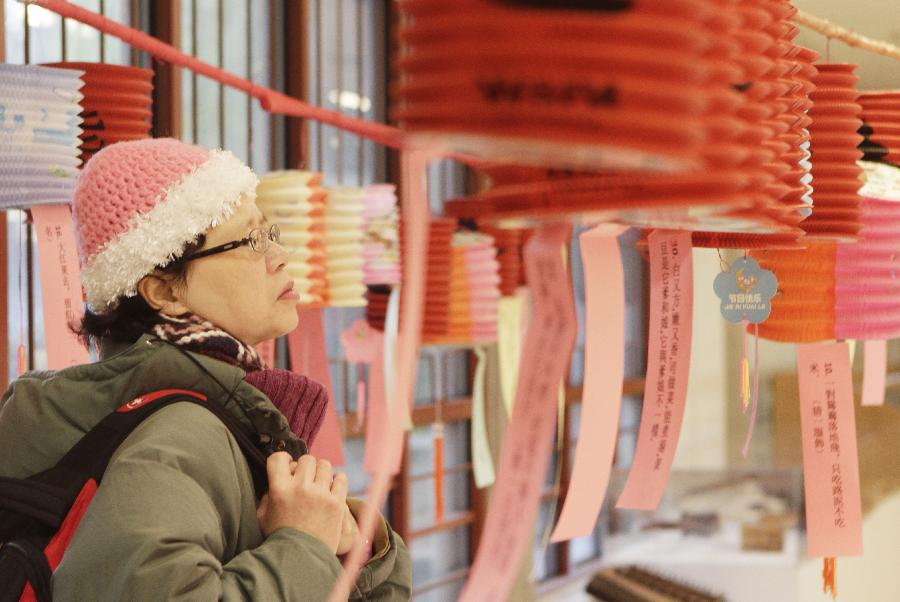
61 540
57 546
28 594
143 400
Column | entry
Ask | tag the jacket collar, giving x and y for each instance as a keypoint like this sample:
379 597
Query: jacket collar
214 378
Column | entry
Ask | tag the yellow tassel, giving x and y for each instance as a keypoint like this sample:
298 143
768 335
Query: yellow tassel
745 383
828 585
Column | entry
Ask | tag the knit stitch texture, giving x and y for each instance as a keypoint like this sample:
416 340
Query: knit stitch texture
124 179
137 204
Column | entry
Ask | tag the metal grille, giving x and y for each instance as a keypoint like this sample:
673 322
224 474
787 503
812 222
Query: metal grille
37 35
347 66
234 35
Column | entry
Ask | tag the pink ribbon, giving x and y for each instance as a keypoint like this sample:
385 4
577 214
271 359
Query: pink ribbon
60 285
414 194
668 365
526 451
604 369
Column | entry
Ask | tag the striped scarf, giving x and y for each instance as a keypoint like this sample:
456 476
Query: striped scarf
199 335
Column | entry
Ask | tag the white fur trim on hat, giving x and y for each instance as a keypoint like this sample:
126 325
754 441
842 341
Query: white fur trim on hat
202 199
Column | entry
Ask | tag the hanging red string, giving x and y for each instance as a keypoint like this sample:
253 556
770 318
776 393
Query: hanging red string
22 350
438 473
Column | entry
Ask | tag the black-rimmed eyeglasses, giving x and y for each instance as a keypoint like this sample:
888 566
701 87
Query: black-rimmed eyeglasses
259 240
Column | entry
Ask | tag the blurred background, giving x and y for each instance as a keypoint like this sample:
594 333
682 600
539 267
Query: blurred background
730 525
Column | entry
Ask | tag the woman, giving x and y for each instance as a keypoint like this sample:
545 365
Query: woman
183 276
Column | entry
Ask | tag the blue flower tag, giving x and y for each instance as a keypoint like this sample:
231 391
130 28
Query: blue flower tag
746 291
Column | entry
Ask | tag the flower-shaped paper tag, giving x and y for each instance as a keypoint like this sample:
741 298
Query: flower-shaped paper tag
746 291
361 342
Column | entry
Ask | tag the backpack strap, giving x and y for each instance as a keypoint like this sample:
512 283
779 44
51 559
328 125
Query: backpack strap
47 496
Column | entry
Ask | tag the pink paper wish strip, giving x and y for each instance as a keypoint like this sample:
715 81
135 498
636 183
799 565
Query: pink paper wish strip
604 368
402 371
526 451
668 365
376 418
309 356
830 462
363 344
60 285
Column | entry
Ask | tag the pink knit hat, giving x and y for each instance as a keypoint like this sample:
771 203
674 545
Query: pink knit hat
137 204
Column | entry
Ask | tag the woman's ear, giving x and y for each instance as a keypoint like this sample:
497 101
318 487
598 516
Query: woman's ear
163 294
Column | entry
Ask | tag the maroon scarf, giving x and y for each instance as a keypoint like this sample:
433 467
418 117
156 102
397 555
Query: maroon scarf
301 400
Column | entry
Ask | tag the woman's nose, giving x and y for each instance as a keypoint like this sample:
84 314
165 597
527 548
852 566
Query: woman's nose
276 257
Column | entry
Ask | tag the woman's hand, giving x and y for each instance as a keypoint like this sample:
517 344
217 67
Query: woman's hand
349 532
304 495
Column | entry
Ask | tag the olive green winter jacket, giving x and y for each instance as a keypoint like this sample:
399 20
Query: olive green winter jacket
175 515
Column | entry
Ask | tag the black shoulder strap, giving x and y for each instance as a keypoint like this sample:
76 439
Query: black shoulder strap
59 486
92 453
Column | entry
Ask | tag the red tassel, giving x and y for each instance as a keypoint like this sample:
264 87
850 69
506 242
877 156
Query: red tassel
438 473
22 360
360 397
828 570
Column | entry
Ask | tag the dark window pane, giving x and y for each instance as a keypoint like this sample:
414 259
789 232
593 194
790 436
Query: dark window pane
423 503
546 556
421 447
436 555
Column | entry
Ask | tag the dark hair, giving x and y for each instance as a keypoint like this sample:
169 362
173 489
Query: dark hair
132 316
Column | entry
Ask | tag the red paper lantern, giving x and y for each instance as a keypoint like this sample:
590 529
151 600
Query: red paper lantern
803 309
116 106
628 88
834 139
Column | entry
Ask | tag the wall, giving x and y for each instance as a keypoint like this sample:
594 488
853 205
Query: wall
704 432
872 18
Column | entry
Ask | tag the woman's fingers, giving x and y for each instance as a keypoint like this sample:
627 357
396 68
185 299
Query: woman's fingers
339 487
306 469
323 473
312 499
277 468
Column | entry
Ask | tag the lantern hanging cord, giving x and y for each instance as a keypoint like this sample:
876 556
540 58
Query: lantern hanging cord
848 37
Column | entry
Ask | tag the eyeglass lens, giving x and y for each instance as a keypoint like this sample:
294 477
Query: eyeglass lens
260 238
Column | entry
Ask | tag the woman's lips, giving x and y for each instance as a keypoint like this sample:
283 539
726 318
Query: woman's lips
289 292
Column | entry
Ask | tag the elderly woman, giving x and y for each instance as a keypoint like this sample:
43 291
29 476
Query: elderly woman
183 276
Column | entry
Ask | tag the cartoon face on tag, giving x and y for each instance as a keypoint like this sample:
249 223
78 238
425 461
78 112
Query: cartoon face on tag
745 282
746 291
